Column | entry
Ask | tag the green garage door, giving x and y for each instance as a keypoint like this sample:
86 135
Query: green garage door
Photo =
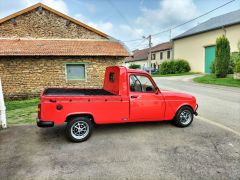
209 58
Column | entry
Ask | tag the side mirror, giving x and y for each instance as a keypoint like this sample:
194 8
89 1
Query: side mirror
149 89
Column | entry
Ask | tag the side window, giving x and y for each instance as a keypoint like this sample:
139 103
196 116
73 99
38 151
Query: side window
140 83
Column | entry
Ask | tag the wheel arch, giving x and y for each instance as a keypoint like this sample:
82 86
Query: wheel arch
88 115
184 105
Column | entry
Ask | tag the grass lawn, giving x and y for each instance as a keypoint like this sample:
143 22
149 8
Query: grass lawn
211 79
22 112
179 74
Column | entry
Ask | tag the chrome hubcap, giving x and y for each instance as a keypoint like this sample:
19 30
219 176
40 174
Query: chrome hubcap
186 117
80 130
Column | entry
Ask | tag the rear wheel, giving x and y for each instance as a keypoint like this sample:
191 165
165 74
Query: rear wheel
184 117
79 129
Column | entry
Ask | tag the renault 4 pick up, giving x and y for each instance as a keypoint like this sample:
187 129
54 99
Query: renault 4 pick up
127 96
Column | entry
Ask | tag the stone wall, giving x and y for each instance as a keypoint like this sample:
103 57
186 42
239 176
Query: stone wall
25 77
45 25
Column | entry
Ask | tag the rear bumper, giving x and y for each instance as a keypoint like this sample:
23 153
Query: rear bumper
41 123
195 112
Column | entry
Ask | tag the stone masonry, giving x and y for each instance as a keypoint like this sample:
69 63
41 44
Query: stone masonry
26 77
45 25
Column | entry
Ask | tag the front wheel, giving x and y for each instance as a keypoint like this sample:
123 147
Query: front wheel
184 117
79 129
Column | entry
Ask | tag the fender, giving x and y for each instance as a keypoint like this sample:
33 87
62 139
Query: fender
79 114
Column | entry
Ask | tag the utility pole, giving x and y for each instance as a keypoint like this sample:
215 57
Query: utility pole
150 52
149 38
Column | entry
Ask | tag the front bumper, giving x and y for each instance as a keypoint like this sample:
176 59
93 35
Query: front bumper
41 123
195 112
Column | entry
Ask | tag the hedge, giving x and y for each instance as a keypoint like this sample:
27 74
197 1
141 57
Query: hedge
174 67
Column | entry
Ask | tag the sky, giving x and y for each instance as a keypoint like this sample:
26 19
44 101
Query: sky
127 20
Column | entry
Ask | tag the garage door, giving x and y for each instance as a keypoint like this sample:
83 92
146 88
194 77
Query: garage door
209 58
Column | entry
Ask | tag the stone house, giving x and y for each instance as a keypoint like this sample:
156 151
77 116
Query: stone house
197 45
41 47
159 53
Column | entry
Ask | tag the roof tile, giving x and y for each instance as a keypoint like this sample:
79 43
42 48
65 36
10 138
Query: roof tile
23 47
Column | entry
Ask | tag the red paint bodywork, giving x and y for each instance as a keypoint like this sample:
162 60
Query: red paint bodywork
120 108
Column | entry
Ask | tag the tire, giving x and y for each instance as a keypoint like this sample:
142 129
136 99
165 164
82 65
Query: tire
183 117
79 129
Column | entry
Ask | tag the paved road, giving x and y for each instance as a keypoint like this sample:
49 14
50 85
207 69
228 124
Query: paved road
133 151
216 103
125 151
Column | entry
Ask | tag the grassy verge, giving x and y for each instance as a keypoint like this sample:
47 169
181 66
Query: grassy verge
179 74
211 79
22 112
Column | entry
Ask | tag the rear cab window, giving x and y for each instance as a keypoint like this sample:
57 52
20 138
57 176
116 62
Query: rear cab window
112 77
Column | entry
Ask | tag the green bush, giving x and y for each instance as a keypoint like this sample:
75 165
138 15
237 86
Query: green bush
234 56
237 66
233 59
174 67
181 66
236 59
222 57
213 67
134 66
164 69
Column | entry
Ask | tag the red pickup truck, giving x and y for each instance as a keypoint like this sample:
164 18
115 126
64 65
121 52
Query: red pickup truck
127 96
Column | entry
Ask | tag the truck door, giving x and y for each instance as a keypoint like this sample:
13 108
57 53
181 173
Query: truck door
145 103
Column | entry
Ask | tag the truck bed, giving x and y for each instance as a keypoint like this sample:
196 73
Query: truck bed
76 92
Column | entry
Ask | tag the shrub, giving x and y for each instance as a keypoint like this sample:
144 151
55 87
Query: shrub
237 66
233 59
236 59
213 67
181 66
164 68
231 65
222 57
134 66
174 66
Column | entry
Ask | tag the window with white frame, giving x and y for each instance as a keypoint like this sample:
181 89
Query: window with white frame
153 56
168 54
75 71
161 55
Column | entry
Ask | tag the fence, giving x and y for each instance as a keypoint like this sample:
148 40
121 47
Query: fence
3 120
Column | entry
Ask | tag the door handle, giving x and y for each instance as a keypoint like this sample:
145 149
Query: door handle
134 97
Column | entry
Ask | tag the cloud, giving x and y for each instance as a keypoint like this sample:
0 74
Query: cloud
168 13
9 7
106 27
59 5
131 31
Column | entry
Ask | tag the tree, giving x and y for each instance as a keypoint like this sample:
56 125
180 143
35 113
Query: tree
222 57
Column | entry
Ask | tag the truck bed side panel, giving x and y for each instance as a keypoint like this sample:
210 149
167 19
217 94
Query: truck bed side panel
105 110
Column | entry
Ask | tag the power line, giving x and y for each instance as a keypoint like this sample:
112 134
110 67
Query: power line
195 18
122 16
179 25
